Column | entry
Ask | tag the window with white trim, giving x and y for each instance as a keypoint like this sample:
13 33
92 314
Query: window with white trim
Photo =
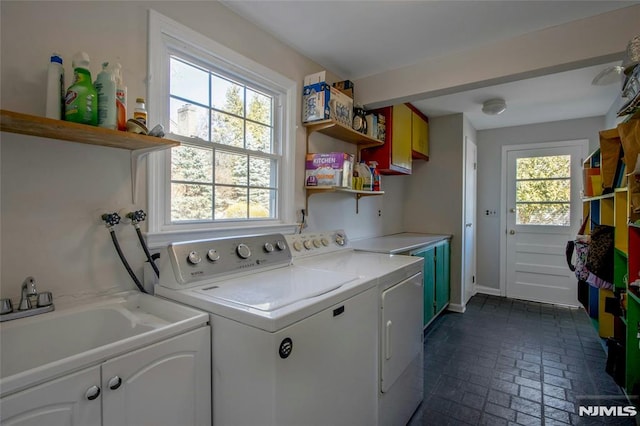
233 119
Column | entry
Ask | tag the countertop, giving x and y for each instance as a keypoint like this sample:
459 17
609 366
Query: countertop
398 243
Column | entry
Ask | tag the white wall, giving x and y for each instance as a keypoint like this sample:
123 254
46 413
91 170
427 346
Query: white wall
490 144
52 193
435 191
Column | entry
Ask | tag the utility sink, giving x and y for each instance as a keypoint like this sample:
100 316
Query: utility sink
42 347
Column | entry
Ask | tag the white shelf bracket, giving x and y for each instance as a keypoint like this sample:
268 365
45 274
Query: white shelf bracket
136 156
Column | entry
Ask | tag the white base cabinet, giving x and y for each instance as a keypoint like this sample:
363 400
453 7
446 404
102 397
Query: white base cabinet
167 383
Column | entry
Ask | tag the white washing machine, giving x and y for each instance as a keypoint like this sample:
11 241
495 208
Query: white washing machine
400 383
291 345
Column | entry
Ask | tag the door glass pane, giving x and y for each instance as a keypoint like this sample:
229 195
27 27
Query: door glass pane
543 190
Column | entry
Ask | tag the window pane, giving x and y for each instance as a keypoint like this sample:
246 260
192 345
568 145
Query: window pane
262 172
191 202
231 169
543 190
261 202
543 214
259 108
231 203
188 120
543 167
258 137
227 95
227 129
191 164
188 82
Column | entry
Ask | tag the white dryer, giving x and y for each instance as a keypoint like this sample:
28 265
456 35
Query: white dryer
291 345
400 384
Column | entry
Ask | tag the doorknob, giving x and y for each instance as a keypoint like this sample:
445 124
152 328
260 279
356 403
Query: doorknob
512 231
512 210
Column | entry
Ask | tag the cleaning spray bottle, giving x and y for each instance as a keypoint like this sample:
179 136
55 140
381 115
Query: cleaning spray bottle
375 176
105 85
121 98
81 100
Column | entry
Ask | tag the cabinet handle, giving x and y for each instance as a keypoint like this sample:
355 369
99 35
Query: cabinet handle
115 382
387 348
92 393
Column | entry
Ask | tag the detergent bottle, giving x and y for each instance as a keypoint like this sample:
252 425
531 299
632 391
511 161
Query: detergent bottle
81 100
375 176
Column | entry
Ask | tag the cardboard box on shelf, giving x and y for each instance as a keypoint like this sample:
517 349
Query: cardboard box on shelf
330 169
346 87
320 101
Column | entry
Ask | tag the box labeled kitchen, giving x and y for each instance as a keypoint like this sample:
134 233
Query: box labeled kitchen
321 101
330 169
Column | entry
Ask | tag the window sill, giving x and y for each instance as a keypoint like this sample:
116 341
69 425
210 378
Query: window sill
157 240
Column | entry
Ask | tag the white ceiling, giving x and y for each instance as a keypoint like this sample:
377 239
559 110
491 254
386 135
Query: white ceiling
355 39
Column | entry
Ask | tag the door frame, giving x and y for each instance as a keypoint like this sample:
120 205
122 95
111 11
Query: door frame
465 279
582 143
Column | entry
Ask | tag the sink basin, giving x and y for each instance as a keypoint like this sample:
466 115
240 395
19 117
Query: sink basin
41 347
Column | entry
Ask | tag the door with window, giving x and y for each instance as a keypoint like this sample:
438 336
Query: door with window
543 211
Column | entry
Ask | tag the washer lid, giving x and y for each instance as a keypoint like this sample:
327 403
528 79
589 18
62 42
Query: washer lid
269 291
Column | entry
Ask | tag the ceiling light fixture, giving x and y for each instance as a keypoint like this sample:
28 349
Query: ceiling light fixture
607 76
494 106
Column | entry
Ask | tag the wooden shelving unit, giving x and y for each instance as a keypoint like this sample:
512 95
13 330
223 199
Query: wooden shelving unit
338 131
614 209
311 190
26 124
139 145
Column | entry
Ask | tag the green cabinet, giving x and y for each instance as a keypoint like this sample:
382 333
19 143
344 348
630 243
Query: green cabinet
436 278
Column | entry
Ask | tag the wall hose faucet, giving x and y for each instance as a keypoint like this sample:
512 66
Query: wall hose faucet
137 217
111 220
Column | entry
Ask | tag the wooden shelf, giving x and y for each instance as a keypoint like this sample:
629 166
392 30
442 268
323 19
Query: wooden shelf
336 130
599 197
311 190
26 124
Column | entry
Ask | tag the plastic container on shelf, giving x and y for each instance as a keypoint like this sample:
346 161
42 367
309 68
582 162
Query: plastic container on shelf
140 112
81 100
55 88
365 173
121 98
376 184
105 85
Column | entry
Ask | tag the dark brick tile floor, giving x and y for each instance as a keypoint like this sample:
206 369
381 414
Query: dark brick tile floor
511 362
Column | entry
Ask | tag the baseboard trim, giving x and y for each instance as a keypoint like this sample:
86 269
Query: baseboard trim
488 290
454 307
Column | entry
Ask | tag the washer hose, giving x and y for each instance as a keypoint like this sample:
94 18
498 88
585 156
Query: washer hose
111 220
137 217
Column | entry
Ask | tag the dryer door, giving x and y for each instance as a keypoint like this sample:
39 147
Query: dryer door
401 329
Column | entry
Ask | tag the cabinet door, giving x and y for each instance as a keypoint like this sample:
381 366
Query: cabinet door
61 402
442 276
419 136
168 383
401 137
429 277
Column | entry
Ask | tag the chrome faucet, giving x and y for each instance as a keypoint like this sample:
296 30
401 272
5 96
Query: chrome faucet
31 302
28 291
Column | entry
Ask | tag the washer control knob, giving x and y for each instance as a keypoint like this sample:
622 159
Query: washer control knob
213 255
243 251
340 240
307 244
317 243
324 241
281 245
194 258
297 245
268 247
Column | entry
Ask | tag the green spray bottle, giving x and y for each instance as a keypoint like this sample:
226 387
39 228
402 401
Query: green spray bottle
81 100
